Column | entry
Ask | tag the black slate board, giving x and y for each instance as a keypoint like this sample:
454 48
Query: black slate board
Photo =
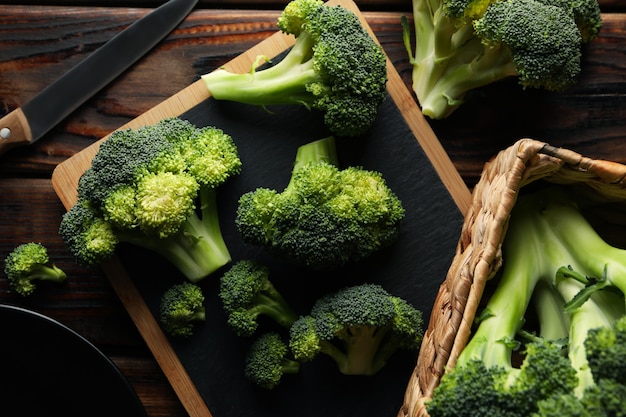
413 267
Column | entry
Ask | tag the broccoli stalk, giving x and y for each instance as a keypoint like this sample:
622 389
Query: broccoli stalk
326 216
360 328
155 187
197 248
335 66
27 263
461 45
547 239
182 306
247 294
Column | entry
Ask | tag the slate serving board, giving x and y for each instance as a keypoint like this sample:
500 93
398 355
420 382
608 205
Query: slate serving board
206 371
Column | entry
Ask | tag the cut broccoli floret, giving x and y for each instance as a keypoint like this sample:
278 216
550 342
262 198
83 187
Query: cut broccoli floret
335 66
182 306
461 45
359 327
28 263
326 216
247 293
268 360
155 187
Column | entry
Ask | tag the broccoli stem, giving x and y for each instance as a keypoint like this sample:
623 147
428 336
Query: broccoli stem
198 249
553 324
362 347
272 304
47 273
450 60
283 83
322 150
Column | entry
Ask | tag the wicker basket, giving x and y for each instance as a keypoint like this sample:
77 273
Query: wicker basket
478 255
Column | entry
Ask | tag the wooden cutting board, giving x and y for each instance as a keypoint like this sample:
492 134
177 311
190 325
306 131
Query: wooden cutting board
66 175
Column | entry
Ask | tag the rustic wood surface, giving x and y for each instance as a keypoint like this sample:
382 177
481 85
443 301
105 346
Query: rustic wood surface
38 43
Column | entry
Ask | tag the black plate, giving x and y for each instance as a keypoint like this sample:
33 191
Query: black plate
48 369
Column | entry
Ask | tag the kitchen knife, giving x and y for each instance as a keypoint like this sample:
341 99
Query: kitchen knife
30 122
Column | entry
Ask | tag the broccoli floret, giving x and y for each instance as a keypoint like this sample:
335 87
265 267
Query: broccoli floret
335 66
182 306
461 45
28 263
549 252
606 352
247 293
326 216
268 360
605 348
360 327
155 187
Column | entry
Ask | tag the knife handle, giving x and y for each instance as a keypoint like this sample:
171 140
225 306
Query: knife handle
14 130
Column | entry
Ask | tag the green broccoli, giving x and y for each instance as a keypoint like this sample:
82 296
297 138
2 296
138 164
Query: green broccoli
335 66
325 217
155 187
547 239
268 360
28 263
461 45
247 293
605 348
182 306
359 327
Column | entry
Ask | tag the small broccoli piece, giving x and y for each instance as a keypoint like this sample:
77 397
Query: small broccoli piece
461 45
155 187
335 66
359 327
247 293
28 263
325 217
182 306
268 360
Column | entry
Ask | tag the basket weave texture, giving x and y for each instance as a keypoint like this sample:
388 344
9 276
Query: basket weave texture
478 254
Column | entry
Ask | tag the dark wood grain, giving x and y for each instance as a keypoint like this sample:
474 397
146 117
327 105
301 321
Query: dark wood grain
40 43
364 5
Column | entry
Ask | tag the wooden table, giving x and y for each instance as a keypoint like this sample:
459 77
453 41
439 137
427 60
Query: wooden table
39 43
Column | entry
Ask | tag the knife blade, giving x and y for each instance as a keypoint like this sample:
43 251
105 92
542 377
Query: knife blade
28 123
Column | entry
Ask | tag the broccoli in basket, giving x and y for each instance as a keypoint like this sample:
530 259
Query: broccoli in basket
559 273
335 66
155 187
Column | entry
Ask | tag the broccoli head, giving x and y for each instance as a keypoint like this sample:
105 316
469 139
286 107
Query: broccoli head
268 360
182 305
155 187
360 327
461 45
326 216
247 293
28 263
335 67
